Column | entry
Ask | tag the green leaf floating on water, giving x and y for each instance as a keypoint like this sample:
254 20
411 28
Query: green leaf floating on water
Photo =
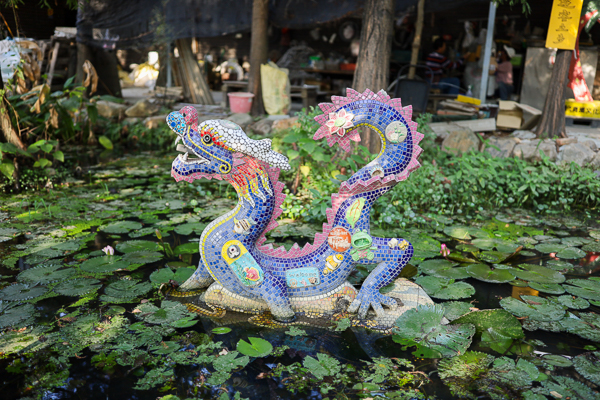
121 227
137 245
464 232
537 273
456 309
556 360
497 328
571 253
256 347
77 287
17 317
187 248
586 288
127 288
587 326
423 326
164 275
548 248
443 269
100 265
588 365
190 227
573 302
168 313
20 292
594 246
461 373
484 273
562 387
167 347
45 274
142 257
559 265
322 366
221 330
533 307
445 289
552 288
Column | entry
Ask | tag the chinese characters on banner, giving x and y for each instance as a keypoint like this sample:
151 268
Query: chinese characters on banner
564 23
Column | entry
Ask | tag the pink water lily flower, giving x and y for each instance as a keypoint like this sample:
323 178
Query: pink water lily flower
109 251
445 251
339 122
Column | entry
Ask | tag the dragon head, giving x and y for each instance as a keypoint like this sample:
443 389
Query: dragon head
215 148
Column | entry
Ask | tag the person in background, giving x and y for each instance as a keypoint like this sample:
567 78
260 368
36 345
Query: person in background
504 75
439 65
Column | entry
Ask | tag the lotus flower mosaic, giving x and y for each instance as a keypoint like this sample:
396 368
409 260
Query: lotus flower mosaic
244 273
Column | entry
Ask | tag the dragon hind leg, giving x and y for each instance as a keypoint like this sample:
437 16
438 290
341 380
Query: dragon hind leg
200 279
274 292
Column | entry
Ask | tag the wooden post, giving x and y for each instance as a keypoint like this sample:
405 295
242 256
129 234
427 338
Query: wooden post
487 52
552 122
192 75
416 46
258 52
373 66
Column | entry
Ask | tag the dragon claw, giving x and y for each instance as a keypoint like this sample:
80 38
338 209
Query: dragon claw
368 297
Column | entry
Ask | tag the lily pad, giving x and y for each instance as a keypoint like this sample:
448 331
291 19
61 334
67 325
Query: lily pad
423 326
588 365
45 274
493 257
137 245
445 289
562 387
77 287
534 307
169 312
190 227
484 273
443 269
21 292
548 248
497 328
256 347
142 257
556 360
100 265
127 288
164 275
586 288
537 273
594 247
455 309
17 317
461 373
587 326
559 265
552 288
121 227
187 248
574 241
576 303
571 253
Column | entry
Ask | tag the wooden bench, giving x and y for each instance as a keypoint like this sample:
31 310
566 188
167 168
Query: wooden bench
308 93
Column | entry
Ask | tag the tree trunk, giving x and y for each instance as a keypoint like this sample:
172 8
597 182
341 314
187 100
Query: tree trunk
373 66
258 52
416 45
85 29
552 122
8 130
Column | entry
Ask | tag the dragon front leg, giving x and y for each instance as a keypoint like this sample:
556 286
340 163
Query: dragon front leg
391 255
273 291
200 279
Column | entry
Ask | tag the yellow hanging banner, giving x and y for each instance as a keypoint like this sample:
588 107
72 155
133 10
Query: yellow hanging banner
564 24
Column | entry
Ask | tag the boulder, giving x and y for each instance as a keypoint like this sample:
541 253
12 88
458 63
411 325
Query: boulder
523 135
578 153
566 141
595 163
529 150
262 127
461 141
108 109
505 145
284 124
242 119
143 108
591 144
155 122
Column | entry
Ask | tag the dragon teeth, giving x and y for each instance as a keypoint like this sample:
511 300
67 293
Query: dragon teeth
177 140
185 156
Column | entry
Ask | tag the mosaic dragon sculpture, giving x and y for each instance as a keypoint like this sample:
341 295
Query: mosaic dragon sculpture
232 247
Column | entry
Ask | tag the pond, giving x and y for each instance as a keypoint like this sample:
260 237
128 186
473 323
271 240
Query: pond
77 323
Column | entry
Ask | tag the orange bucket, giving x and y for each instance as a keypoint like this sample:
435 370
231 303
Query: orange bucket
240 102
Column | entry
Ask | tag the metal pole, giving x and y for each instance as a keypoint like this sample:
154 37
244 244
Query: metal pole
487 53
169 73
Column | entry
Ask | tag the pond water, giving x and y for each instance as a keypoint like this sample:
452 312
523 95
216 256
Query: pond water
76 323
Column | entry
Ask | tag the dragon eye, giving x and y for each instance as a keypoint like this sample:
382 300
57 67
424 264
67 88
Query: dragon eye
207 139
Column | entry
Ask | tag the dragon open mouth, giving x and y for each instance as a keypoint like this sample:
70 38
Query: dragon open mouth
185 157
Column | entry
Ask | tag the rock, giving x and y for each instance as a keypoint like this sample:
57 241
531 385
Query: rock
143 108
155 122
108 109
578 153
566 141
591 144
284 124
242 119
460 141
132 120
505 144
262 127
523 135
529 150
595 163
